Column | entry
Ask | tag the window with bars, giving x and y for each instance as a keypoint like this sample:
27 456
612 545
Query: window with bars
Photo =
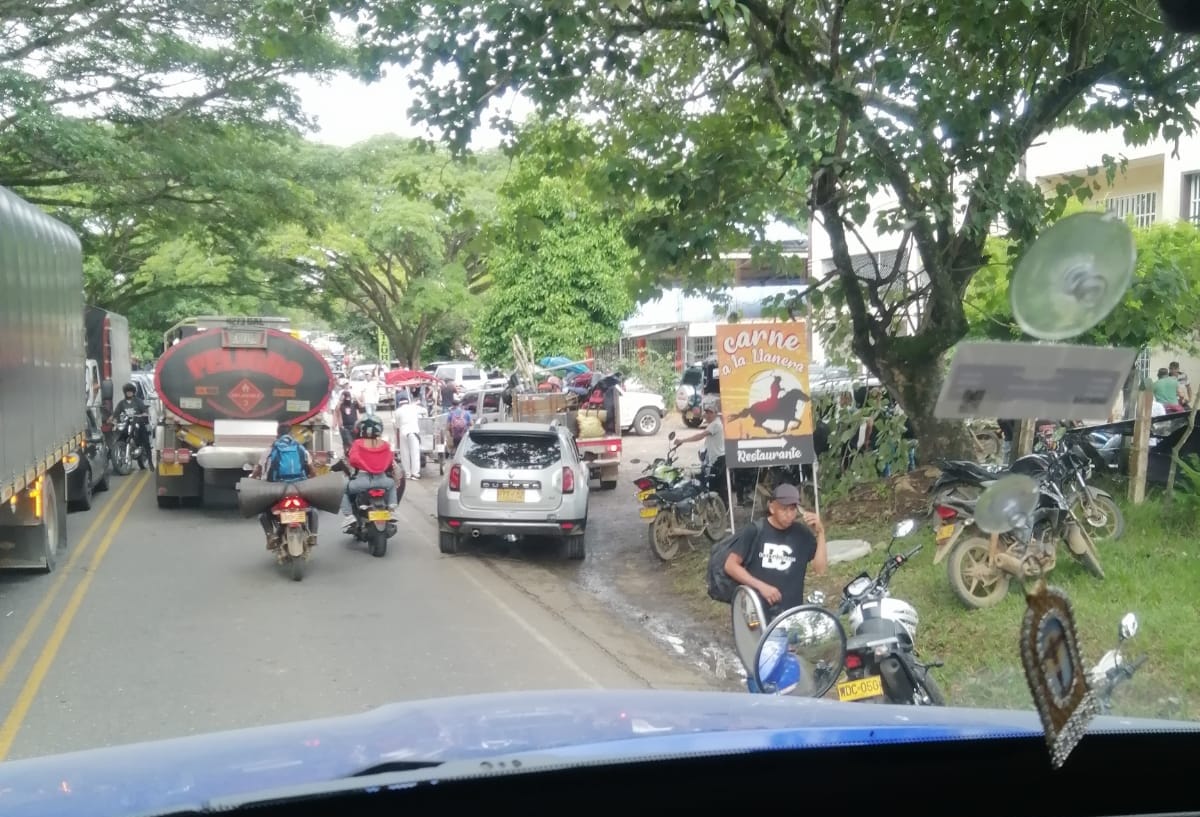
1191 198
1143 207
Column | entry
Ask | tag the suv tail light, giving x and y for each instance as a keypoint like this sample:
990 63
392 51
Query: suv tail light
568 480
455 481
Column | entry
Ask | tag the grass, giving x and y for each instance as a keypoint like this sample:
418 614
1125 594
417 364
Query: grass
1153 571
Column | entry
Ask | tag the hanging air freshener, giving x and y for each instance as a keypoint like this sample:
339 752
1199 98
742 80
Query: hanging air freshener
1054 669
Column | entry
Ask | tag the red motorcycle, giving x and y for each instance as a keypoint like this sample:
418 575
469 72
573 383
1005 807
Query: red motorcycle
293 530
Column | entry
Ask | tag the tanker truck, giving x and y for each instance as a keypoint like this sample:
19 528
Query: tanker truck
42 420
225 384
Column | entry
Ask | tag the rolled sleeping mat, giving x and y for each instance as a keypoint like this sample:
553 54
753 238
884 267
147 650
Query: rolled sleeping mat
257 495
323 492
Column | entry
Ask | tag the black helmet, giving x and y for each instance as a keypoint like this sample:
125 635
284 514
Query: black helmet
370 427
128 387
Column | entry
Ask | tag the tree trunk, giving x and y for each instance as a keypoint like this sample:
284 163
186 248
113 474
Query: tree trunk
917 392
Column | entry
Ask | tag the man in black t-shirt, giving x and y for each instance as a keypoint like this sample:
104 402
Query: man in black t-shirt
775 563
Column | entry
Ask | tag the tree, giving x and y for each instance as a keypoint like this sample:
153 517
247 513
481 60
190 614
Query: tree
559 274
401 240
139 123
936 103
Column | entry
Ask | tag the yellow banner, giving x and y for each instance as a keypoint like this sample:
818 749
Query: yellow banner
765 404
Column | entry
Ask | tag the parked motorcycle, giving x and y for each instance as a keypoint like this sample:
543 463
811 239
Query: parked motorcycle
292 521
1113 669
373 521
678 505
980 572
1071 468
881 657
129 449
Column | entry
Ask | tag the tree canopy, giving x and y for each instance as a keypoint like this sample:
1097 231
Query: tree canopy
936 103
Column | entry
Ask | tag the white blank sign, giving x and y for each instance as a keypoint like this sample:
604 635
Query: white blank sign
1033 380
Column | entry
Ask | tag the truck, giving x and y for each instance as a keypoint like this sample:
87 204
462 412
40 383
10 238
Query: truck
224 385
106 336
601 454
42 418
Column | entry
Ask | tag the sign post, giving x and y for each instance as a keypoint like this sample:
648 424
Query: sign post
766 408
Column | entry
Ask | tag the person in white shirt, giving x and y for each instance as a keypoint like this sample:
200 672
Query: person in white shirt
371 395
408 431
713 436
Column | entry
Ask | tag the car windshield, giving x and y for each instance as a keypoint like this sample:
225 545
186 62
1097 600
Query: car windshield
524 451
691 377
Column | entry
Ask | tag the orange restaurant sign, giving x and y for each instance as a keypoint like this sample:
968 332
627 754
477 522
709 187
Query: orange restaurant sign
765 405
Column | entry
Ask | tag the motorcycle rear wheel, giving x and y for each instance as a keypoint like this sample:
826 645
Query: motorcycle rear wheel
296 565
936 698
662 543
377 543
969 555
716 518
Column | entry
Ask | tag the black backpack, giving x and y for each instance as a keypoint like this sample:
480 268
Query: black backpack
720 584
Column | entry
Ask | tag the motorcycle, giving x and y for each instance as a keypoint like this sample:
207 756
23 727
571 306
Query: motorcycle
291 526
373 521
1113 669
977 562
128 448
678 505
880 657
1071 467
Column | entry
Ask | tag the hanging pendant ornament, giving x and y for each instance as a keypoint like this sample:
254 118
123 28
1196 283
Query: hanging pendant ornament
1072 276
1054 669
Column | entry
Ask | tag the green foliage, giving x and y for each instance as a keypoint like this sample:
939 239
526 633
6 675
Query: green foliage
401 240
559 273
653 370
714 115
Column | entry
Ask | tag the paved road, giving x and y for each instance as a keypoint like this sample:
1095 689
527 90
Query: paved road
160 623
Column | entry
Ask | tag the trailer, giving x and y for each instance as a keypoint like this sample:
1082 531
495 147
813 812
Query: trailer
42 419
225 385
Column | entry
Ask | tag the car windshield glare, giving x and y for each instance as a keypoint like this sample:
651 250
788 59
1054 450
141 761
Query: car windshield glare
524 451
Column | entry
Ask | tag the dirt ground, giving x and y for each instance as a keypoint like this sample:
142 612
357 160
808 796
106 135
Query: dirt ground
669 601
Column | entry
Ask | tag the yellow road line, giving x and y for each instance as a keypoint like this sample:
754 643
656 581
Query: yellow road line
16 716
64 571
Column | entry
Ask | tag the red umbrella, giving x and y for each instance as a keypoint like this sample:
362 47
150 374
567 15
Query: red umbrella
407 377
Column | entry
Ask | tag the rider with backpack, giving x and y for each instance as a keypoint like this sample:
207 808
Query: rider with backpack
458 423
285 461
372 457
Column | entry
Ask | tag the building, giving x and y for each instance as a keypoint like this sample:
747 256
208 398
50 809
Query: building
682 325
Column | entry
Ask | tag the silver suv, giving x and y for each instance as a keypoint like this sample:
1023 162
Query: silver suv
515 479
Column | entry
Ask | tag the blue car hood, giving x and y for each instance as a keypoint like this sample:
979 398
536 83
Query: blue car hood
582 725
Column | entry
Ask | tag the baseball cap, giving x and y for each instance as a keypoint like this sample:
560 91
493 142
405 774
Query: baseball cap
786 495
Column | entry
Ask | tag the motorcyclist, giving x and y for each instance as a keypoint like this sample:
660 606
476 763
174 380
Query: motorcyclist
136 406
371 455
264 471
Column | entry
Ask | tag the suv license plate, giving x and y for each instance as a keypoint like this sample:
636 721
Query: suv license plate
868 687
292 517
510 494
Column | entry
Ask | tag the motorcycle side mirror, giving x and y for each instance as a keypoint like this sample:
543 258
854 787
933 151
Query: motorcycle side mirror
1128 628
247 467
800 654
816 597
671 436
903 528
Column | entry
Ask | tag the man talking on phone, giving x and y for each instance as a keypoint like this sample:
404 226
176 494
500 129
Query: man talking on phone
772 557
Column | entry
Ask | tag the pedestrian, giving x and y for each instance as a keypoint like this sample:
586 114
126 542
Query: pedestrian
408 436
773 557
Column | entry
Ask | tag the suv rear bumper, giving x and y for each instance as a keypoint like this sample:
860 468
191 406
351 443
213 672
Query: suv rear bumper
504 527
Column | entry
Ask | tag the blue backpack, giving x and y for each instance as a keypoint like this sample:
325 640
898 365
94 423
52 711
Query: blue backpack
287 461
